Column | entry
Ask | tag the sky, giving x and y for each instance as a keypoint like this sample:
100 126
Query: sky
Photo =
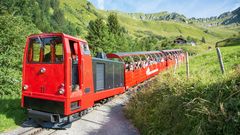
189 8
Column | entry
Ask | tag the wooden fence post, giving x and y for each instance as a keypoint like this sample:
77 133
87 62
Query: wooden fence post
187 65
220 60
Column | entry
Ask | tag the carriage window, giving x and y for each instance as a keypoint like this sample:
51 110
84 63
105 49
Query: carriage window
85 48
45 50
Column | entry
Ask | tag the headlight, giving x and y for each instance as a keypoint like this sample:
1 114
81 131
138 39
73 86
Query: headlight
25 87
61 91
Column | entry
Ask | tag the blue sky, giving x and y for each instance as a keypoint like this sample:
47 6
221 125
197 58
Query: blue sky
189 8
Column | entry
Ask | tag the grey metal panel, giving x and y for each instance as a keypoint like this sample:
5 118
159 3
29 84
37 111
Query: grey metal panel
120 75
109 75
100 76
116 75
112 71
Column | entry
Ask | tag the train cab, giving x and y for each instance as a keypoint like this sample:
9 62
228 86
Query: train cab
61 80
53 83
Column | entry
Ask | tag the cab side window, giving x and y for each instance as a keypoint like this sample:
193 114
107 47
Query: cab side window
85 48
73 45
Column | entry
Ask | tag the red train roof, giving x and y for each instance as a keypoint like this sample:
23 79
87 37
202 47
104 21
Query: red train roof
126 54
56 34
172 50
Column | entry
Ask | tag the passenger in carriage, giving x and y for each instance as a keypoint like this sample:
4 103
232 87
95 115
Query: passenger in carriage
131 66
154 61
140 64
143 63
158 58
136 65
127 66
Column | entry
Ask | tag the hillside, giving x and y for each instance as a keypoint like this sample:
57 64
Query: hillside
231 17
227 18
81 12
161 16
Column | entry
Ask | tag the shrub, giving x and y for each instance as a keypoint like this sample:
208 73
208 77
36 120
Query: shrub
12 41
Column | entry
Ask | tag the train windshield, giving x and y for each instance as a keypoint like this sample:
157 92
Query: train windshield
45 50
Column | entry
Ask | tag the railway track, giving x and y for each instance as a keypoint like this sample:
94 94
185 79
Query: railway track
38 131
44 131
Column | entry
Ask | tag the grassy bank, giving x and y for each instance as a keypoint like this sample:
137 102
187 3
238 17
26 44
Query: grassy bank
11 114
207 103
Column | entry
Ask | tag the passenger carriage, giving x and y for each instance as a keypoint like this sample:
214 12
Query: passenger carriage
151 63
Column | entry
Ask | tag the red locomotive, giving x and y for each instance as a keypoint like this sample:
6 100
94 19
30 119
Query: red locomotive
61 79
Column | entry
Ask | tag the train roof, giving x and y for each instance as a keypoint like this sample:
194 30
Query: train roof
56 34
126 54
172 50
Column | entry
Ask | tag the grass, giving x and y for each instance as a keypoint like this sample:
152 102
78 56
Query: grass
207 103
11 114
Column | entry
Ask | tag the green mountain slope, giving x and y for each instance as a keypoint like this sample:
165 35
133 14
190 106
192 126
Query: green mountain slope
80 12
231 17
161 16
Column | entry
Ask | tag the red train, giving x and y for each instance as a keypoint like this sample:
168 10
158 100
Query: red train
61 79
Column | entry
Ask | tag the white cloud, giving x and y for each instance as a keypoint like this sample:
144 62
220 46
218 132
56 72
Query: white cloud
100 4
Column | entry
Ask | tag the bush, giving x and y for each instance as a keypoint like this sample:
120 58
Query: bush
12 41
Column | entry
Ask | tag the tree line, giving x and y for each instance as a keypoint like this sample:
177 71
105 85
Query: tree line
109 36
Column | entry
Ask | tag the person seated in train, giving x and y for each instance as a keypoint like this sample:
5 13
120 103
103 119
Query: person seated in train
128 66
154 61
146 63
140 64
51 55
74 59
151 61
136 65
131 66
158 59
143 64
